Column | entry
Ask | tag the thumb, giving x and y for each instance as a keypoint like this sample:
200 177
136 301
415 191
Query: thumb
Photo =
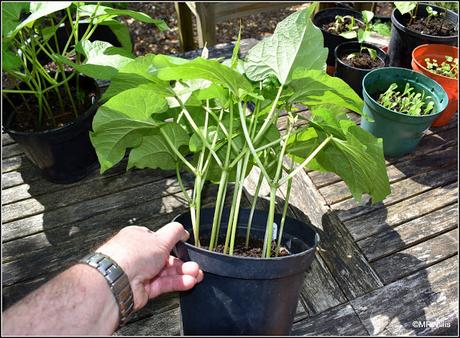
172 233
167 284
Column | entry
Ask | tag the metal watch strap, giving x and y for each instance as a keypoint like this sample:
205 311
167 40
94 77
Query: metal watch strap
117 280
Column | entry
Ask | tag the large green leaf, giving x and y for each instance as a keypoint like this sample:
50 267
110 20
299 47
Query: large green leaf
10 61
102 59
296 43
140 73
352 153
39 9
210 70
11 13
315 87
104 12
122 122
405 6
155 152
121 31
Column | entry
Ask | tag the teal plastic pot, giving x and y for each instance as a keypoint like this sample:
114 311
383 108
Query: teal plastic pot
400 132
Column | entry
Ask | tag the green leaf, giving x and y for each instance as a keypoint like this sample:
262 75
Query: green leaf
140 73
104 12
122 122
367 16
405 6
209 70
10 61
353 154
39 9
154 151
314 87
102 59
11 12
121 31
349 35
294 44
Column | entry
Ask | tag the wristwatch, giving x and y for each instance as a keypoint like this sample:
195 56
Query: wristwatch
118 282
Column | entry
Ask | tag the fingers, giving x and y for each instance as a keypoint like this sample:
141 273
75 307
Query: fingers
172 233
175 266
167 284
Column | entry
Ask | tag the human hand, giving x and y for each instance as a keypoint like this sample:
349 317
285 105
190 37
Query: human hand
144 256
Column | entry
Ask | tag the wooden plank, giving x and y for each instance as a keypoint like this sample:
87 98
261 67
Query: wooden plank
226 11
10 150
82 192
338 321
410 233
421 174
6 139
79 211
429 295
15 178
206 23
384 218
417 257
20 162
342 256
400 191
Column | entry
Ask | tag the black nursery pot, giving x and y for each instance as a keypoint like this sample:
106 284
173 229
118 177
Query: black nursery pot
352 75
64 154
245 295
331 41
403 40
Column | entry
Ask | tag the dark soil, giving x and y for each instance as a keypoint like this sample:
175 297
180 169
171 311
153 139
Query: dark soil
363 61
254 249
438 26
383 9
26 117
330 27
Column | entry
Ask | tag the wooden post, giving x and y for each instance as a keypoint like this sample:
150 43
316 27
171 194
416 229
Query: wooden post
184 19
206 23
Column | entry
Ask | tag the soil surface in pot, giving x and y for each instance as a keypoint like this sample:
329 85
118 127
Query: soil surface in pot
341 28
438 26
253 250
26 117
362 60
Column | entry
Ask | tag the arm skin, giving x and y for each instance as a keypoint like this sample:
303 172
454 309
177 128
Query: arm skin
79 301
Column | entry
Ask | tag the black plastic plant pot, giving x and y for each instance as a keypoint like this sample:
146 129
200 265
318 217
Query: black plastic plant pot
245 295
64 154
331 41
403 40
353 75
400 132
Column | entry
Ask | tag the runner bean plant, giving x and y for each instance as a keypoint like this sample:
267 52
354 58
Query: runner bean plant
30 32
218 121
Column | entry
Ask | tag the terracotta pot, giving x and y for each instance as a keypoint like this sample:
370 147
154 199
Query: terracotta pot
450 85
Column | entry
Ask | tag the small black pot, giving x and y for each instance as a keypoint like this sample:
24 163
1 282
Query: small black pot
403 40
243 295
352 75
64 154
331 41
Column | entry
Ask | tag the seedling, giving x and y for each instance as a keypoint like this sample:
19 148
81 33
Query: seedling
343 24
408 102
431 13
405 7
449 67
362 34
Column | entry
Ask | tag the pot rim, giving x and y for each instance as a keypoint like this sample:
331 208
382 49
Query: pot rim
416 60
403 28
94 105
256 259
367 96
349 43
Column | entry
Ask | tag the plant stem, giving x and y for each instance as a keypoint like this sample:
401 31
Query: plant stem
269 227
305 162
283 218
220 200
232 209
179 178
253 207
268 119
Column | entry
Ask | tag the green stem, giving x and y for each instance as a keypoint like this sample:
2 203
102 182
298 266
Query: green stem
268 119
269 226
179 178
232 209
220 200
283 218
178 154
253 208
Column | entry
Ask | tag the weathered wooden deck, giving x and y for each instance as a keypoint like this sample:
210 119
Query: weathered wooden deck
389 269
